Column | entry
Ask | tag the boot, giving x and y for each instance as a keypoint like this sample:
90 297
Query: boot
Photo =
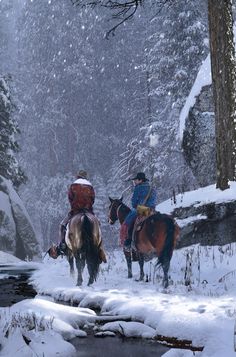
129 242
53 252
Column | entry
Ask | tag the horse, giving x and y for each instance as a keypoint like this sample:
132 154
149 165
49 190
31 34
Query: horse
84 243
158 234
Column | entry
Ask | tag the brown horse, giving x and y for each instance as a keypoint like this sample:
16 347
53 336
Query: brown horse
84 241
158 235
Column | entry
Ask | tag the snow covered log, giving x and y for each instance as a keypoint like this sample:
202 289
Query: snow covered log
174 342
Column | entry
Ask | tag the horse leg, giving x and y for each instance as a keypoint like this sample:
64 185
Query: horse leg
71 263
165 266
80 262
141 264
129 263
91 273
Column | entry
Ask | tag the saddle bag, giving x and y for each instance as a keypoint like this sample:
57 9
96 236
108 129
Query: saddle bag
143 210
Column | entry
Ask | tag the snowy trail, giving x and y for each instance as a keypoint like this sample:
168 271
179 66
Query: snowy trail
203 314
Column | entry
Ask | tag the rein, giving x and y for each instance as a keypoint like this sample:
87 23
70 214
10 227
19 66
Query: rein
117 212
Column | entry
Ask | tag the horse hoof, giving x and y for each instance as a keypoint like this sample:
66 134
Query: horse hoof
141 278
165 284
72 274
90 282
79 282
130 276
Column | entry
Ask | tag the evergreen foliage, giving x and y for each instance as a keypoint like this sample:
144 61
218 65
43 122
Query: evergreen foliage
85 100
174 48
9 165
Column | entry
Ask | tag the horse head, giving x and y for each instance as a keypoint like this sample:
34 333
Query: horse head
113 209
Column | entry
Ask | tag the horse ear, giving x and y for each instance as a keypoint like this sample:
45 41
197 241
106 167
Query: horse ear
121 199
111 200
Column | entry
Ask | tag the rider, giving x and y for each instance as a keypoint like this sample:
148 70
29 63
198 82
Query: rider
143 193
81 196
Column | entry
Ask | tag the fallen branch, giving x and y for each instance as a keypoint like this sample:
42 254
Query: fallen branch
108 318
226 276
174 342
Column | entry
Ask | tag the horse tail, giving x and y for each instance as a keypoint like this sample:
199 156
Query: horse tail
169 241
89 247
168 248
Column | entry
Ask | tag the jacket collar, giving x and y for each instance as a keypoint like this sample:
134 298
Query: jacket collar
83 182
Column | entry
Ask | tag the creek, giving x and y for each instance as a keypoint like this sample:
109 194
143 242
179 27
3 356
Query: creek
15 286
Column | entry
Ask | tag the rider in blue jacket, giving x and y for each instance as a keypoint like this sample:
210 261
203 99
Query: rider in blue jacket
141 191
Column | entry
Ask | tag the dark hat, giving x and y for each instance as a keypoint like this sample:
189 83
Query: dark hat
82 174
140 176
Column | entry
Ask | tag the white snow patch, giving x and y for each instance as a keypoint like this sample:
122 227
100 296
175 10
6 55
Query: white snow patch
199 197
203 79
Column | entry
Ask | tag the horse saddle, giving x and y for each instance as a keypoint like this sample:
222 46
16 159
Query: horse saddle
139 222
138 225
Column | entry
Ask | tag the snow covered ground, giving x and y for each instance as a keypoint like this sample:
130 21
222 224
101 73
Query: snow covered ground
203 312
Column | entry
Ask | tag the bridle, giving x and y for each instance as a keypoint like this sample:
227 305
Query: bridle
117 212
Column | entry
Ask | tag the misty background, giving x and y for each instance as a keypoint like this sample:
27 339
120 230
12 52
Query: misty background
109 106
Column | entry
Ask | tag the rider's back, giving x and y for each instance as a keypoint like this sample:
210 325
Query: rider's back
81 195
141 191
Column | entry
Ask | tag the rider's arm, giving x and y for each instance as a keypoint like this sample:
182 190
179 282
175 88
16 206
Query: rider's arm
93 194
70 195
135 200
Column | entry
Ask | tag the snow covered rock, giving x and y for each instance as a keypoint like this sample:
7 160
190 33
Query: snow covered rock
215 225
17 235
199 138
205 215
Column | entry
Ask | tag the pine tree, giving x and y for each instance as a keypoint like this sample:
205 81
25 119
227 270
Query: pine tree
9 166
173 50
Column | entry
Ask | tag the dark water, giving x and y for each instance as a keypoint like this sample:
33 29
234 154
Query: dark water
117 347
15 287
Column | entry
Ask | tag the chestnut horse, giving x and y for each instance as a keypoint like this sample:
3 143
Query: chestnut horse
83 238
158 234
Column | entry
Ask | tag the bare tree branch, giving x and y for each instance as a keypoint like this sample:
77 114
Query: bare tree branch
129 16
124 10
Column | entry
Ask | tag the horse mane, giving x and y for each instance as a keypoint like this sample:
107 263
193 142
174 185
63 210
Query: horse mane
125 208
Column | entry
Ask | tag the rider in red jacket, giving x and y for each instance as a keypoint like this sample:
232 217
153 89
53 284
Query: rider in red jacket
81 196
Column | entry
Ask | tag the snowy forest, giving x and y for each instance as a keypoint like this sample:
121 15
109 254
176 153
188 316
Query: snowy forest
136 98
80 99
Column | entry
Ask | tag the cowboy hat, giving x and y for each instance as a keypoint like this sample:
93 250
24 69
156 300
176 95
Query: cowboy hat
82 174
140 176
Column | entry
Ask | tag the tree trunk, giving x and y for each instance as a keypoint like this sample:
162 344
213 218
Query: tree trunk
223 81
